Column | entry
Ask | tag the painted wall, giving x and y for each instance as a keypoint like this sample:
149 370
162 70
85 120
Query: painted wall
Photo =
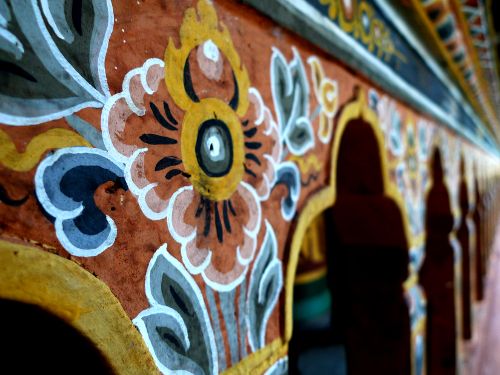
178 151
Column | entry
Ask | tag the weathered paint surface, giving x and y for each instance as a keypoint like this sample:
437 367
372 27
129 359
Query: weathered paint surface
215 137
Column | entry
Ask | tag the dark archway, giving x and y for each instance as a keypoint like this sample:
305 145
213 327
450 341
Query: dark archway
437 277
478 243
367 261
463 237
35 341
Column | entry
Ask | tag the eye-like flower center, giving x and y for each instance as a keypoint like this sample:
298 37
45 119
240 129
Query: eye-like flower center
214 148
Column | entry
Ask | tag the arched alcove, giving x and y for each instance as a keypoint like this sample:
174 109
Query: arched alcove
51 306
463 237
367 261
478 246
437 277
35 341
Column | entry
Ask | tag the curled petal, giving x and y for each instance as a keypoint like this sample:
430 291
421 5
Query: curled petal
176 211
224 282
249 196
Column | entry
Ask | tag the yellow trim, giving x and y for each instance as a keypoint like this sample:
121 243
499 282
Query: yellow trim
259 361
25 161
63 288
214 188
308 277
470 46
452 65
196 29
324 198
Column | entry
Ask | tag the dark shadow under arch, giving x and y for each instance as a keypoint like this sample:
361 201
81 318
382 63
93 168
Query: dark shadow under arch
463 237
35 341
437 277
367 261
367 256
478 243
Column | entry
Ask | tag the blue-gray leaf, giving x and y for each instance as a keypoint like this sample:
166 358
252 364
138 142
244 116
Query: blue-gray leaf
290 89
165 332
169 284
53 56
65 184
299 136
266 282
288 174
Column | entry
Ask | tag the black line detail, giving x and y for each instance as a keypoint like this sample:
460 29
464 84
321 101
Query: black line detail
249 171
250 132
159 117
8 67
169 114
155 139
171 174
179 301
218 224
166 162
199 209
76 15
188 83
206 230
5 198
244 123
253 157
236 97
230 205
187 175
253 145
225 216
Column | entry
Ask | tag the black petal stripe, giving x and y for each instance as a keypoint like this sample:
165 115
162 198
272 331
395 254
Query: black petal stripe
206 230
171 174
250 132
249 171
155 139
253 157
244 123
167 161
188 83
168 113
199 209
231 207
159 117
218 224
253 145
236 97
225 216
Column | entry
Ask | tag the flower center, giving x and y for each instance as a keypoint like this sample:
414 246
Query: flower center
214 148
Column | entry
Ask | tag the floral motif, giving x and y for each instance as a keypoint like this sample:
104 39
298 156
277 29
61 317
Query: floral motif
326 91
202 159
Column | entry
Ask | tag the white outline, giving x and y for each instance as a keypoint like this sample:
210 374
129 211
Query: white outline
269 236
163 310
294 197
162 251
62 60
63 215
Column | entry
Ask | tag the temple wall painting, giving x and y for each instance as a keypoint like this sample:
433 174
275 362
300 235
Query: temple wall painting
161 163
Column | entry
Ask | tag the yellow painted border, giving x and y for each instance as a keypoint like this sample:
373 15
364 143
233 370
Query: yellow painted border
63 288
260 361
357 109
422 15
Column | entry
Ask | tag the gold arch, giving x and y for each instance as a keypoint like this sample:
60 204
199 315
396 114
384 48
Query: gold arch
66 290
325 198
